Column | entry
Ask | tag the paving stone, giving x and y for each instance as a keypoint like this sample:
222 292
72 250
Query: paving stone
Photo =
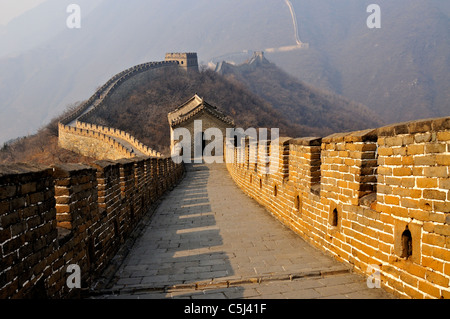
301 294
208 228
208 296
129 281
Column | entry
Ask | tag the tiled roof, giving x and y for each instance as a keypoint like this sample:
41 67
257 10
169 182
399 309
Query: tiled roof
194 106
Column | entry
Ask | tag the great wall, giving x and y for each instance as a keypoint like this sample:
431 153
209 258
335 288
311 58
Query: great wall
374 198
72 214
98 141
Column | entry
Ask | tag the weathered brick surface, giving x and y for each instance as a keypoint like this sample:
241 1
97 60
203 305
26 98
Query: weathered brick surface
68 214
91 143
366 197
103 142
108 131
27 227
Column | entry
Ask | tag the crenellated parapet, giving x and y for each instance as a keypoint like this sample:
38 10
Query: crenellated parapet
52 218
109 87
376 199
122 135
100 142
91 143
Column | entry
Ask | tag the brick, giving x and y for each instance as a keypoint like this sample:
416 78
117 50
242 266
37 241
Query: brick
443 159
447 269
18 228
409 203
443 136
425 160
424 182
408 182
63 191
35 198
441 253
7 191
413 292
407 192
439 171
61 209
369 147
408 279
421 126
426 205
402 171
4 207
392 200
445 294
381 141
399 151
429 289
394 141
444 183
442 230
9 219
422 138
441 124
442 207
28 188
393 181
393 161
433 239
434 194
384 170
13 245
408 139
435 148
437 279
385 151
415 149
5 234
407 160
419 214
417 171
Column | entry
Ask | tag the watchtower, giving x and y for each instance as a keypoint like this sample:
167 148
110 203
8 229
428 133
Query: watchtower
187 61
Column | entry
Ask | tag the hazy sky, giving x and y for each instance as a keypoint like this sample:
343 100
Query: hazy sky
9 9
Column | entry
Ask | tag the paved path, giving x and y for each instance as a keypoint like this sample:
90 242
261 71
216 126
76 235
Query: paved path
207 239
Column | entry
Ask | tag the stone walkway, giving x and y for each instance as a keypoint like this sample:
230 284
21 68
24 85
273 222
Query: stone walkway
207 239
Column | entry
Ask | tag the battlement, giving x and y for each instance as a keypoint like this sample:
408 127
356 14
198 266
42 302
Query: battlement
378 197
101 142
370 198
98 141
177 55
188 61
70 214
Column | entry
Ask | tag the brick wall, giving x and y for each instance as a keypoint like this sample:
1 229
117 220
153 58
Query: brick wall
119 134
102 142
68 214
92 144
375 197
28 234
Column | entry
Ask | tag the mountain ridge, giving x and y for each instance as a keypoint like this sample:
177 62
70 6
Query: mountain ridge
405 77
303 104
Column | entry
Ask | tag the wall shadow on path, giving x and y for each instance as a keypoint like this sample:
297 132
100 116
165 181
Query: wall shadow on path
182 243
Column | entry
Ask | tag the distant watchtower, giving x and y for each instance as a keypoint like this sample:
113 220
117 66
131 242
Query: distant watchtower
187 61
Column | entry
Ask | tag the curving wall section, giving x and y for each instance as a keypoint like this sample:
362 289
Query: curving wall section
92 144
84 138
121 135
